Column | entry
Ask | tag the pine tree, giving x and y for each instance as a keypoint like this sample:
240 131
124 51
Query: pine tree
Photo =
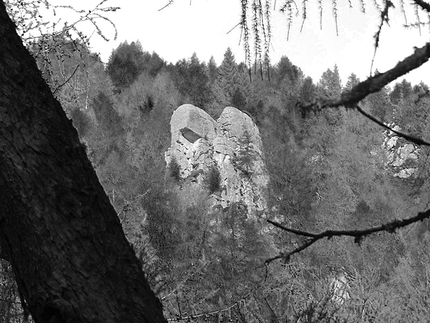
307 93
212 70
198 82
246 155
330 84
192 81
286 74
125 64
380 106
228 75
330 87
352 81
232 85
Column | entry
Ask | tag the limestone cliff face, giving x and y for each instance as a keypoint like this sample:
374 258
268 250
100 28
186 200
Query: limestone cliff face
232 145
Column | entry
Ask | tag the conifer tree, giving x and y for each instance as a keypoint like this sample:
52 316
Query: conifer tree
330 84
125 64
212 70
246 155
307 93
286 74
352 81
232 85
380 105
192 80
330 87
228 75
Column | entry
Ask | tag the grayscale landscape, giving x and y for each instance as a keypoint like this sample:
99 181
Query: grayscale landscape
256 179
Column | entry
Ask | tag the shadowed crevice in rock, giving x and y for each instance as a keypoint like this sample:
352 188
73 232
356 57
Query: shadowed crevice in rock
190 135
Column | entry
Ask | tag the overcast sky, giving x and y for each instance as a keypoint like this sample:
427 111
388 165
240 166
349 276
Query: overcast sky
201 26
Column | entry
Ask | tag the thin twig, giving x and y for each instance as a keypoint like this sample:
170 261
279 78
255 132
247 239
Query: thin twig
168 4
384 18
65 82
415 140
334 8
358 235
239 23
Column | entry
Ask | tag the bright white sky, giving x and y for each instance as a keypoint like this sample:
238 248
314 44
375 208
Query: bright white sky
202 25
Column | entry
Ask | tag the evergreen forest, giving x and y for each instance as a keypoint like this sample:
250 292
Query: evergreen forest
329 170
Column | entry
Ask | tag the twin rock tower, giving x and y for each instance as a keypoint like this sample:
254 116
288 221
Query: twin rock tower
230 146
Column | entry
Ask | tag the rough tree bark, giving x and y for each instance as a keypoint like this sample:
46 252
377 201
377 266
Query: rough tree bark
63 238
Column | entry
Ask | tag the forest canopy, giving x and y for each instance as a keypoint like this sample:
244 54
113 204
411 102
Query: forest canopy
330 169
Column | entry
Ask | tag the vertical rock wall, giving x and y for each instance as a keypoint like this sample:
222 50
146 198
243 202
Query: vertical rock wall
232 144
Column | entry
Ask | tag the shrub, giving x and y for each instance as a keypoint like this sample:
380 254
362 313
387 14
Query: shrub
212 181
245 156
174 170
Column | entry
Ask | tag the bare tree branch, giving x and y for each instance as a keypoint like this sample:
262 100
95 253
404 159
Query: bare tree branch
413 139
424 5
166 5
238 24
384 18
358 235
351 98
67 80
375 83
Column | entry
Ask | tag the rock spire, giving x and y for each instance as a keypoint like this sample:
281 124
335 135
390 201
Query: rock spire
230 147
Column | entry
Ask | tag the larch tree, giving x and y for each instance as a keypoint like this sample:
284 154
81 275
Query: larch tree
70 257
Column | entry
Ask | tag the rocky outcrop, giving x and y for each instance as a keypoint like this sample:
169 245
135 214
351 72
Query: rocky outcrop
232 145
402 156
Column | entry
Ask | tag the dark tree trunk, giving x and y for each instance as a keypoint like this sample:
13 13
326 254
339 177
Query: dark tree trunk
70 257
